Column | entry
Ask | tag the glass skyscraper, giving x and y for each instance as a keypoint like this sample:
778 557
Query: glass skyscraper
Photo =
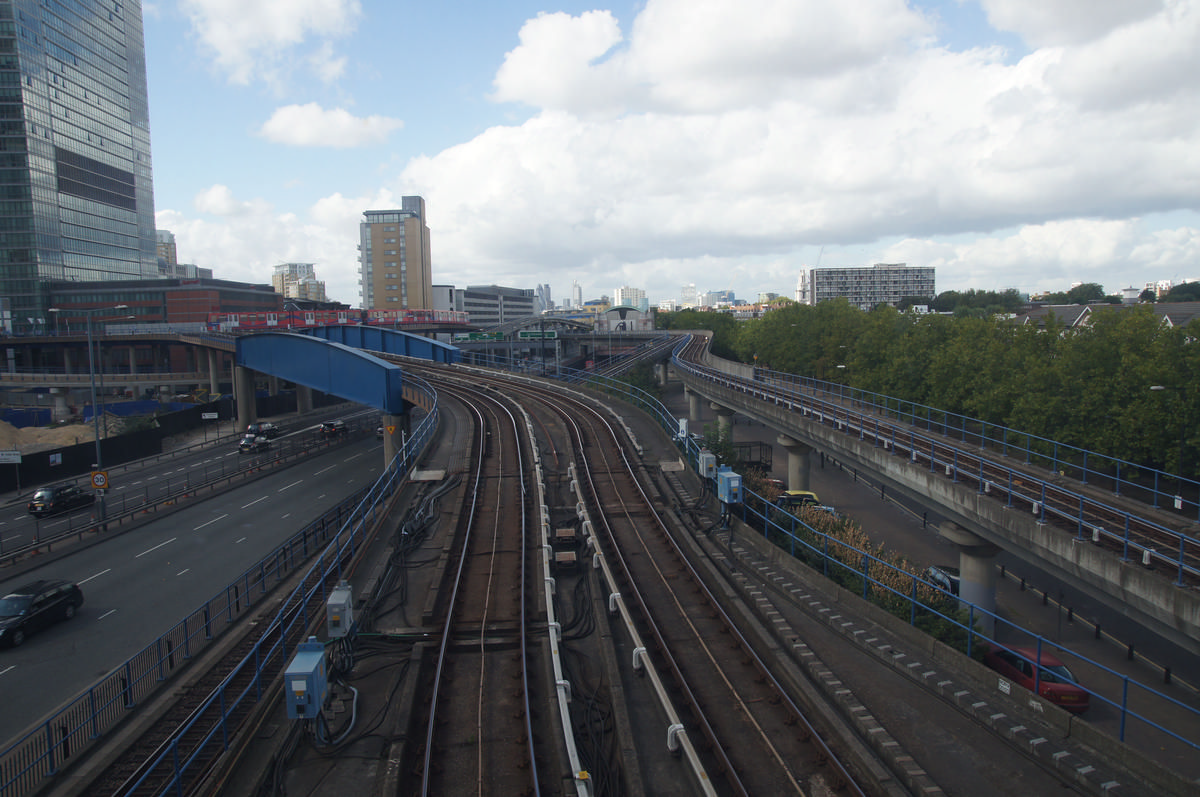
76 190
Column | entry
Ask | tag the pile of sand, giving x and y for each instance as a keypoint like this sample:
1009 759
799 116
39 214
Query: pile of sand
42 438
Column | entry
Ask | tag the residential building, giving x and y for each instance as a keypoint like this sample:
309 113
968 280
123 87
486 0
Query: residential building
168 256
631 297
882 283
78 194
298 281
396 270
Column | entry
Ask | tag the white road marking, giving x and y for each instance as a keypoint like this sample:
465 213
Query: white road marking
356 456
8 669
106 614
288 515
184 570
293 484
209 523
255 501
243 539
155 548
97 575
322 470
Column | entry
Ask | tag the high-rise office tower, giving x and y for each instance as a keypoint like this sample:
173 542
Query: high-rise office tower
76 190
576 296
394 258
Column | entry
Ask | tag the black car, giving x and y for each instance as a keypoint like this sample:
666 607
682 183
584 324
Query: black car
263 429
333 428
251 444
944 576
59 498
32 607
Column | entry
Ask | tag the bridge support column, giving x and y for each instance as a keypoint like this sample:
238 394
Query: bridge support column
798 472
272 385
395 432
303 399
243 396
132 360
214 372
660 371
976 570
68 362
724 420
693 406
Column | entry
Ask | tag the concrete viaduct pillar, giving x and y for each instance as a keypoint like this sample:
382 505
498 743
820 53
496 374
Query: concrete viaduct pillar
395 432
976 570
724 420
693 406
214 372
303 399
132 360
272 385
798 472
243 396
660 371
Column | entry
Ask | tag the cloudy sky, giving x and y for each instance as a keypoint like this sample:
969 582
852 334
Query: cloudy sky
1029 144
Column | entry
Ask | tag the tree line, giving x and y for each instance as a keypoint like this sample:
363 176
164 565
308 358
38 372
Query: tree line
1088 386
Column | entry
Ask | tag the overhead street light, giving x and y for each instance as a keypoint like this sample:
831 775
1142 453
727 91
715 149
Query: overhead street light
99 467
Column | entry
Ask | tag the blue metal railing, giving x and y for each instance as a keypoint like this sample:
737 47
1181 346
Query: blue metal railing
44 750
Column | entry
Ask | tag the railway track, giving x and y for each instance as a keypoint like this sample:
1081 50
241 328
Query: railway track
478 734
743 732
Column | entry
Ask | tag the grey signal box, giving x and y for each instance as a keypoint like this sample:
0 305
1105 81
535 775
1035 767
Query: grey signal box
339 611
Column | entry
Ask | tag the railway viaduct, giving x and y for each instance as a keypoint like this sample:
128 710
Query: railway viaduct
978 524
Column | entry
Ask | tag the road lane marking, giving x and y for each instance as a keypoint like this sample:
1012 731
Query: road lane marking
8 669
106 614
155 548
243 539
97 575
184 570
322 470
255 501
356 456
290 486
209 523
288 515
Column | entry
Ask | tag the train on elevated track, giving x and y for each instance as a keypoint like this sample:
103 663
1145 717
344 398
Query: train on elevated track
303 319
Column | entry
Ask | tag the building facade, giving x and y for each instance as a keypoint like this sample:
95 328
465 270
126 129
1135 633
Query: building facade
867 287
76 188
631 297
298 281
394 257
489 305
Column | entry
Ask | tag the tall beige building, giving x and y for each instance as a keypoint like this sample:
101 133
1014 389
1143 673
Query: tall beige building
393 252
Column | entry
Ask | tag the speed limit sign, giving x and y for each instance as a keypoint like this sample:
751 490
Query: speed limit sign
100 479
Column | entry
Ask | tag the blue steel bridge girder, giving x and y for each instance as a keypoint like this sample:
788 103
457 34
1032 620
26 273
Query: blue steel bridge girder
330 367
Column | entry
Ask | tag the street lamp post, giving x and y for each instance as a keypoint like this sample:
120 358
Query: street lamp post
99 466
1182 420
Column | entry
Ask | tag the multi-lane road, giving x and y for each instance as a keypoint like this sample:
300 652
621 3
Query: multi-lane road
140 582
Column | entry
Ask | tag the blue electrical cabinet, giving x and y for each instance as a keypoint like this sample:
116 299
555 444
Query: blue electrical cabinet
305 681
729 486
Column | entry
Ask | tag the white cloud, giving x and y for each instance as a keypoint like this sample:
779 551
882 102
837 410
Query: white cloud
723 144
311 125
253 41
1048 23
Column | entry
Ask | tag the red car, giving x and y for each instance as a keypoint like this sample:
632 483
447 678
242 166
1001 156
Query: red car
1055 682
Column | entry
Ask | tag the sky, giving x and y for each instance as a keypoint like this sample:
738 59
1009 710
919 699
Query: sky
1028 144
